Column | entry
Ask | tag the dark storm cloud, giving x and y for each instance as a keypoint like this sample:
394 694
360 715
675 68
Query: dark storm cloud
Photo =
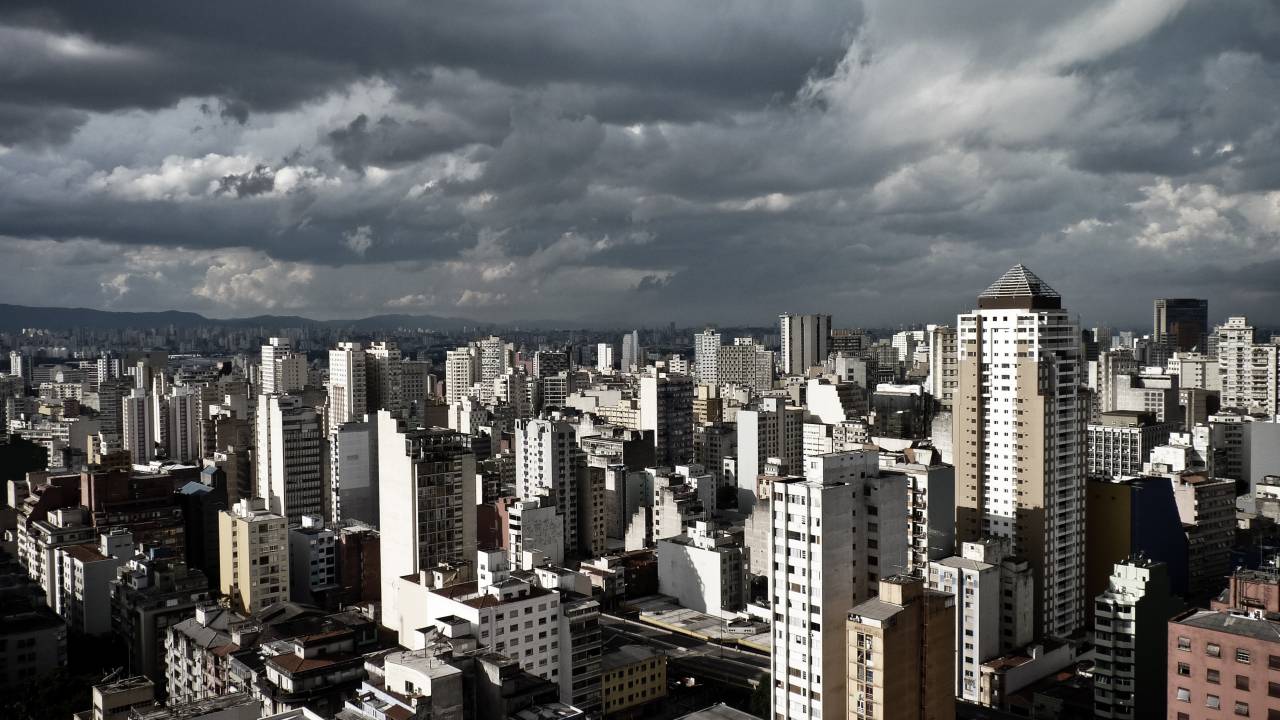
715 161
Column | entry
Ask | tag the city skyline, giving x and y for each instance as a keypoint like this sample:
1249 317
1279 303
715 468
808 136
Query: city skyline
873 161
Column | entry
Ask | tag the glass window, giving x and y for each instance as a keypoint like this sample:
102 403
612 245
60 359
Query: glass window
1184 695
1242 656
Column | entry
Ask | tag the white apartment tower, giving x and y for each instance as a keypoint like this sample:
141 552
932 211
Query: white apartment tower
805 341
347 392
1018 438
493 360
137 427
290 467
706 351
814 580
604 357
283 370
772 430
547 463
1249 371
461 371
631 352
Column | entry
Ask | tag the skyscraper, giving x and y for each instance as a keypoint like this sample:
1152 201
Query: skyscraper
805 341
1018 438
666 408
631 352
283 370
1181 323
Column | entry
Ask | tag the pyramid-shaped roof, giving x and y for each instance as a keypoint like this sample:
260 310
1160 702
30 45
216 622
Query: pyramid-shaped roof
1019 288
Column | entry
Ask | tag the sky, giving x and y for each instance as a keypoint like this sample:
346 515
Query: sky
639 162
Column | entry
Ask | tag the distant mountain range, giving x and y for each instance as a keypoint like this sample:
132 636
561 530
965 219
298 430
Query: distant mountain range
17 317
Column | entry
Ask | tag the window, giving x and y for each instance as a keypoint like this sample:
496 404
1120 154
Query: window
1242 656
1184 669
1273 662
1242 682
1212 702
1212 676
1184 695
1273 689
1212 649
1242 709
1184 643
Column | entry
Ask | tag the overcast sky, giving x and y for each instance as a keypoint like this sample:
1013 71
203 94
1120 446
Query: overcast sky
631 162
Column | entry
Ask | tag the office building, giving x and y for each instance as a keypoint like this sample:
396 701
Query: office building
900 653
1019 419
1181 324
805 341
282 371
1122 440
706 349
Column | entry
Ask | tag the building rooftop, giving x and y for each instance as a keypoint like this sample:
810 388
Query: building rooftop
874 610
625 656
195 709
719 711
1232 623
1019 288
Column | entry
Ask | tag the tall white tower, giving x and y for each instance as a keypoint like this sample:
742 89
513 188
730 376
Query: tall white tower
1019 418
347 396
805 341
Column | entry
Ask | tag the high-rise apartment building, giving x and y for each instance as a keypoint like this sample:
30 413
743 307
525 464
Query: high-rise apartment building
137 426
604 357
831 536
666 408
548 461
253 555
461 372
900 653
772 430
805 341
384 378
282 370
493 359
427 503
1122 440
943 367
706 349
1018 438
994 595
347 381
1181 324
289 464
1250 371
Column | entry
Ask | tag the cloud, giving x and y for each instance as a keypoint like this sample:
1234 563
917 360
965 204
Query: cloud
881 160
359 240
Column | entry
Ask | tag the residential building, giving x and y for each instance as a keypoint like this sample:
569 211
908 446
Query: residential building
666 408
706 349
901 650
427 502
384 378
283 371
994 594
149 594
632 677
253 558
290 464
1222 661
704 569
1130 629
548 461
773 429
313 563
347 384
461 373
1018 429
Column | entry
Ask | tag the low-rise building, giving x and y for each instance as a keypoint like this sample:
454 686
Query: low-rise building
632 678
704 569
